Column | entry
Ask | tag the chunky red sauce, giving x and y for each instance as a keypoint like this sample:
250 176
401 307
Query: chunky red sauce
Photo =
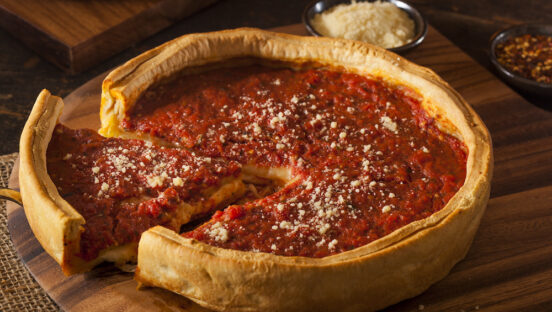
124 187
368 159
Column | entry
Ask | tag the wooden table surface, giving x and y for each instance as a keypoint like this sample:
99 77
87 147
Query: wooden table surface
78 35
510 262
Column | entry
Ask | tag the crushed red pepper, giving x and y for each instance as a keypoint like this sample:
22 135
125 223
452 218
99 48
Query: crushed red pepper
529 56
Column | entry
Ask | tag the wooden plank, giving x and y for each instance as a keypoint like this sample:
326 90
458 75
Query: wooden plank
75 35
508 267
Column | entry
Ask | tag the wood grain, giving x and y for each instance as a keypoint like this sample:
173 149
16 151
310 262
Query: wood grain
76 35
508 268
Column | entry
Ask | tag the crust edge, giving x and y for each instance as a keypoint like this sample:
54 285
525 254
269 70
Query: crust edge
56 225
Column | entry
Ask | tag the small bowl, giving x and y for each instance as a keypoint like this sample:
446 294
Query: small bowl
515 80
420 25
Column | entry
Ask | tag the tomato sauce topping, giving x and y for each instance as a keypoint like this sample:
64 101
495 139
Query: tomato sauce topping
367 157
124 187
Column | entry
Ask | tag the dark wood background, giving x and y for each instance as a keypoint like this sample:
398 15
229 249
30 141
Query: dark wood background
78 35
467 23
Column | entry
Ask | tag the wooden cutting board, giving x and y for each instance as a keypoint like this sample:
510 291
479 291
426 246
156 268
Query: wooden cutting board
508 268
102 28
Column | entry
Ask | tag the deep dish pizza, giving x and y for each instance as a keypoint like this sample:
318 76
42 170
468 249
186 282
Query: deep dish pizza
249 170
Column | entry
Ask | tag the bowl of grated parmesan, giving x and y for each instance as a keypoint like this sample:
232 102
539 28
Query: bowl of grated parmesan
391 24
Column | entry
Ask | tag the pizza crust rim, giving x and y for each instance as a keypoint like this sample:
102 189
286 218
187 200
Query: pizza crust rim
41 200
233 280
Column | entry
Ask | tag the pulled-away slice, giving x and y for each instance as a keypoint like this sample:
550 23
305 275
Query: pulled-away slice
103 193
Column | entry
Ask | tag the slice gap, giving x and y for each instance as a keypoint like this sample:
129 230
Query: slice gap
256 188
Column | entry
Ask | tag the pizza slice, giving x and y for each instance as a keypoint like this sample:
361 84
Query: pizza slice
92 197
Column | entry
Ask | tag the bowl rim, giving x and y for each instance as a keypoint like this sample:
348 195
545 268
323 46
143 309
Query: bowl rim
405 6
501 36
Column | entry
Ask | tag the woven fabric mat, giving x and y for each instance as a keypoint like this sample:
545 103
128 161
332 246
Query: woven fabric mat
18 290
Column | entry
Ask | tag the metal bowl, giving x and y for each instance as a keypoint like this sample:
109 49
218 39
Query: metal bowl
420 24
515 80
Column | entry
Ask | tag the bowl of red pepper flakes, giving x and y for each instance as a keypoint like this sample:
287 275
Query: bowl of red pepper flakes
522 56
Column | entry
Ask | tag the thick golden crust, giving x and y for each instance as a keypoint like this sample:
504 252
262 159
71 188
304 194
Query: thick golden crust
388 270
56 225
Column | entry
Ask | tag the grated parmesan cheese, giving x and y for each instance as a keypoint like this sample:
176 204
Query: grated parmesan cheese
388 123
178 181
219 232
155 181
379 23
256 128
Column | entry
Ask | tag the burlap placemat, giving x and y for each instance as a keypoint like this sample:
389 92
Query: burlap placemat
18 290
